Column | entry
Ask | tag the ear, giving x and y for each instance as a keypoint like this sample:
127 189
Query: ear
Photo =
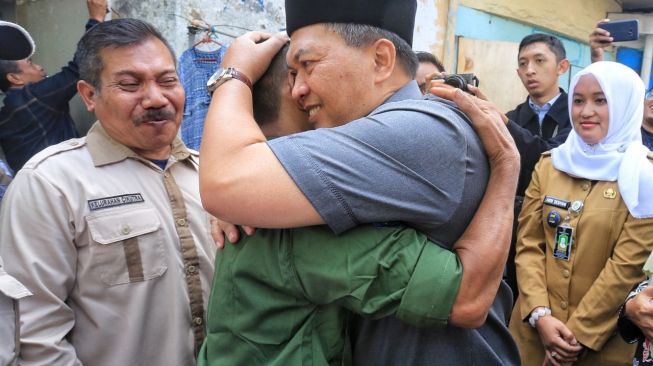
563 66
385 56
87 92
15 79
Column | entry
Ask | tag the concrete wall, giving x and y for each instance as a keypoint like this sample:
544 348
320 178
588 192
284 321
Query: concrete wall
231 16
431 27
573 18
57 25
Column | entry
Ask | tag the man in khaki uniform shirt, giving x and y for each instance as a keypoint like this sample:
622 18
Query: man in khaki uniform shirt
15 44
108 231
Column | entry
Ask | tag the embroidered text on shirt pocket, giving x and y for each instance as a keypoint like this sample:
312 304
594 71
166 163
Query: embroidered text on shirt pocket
127 245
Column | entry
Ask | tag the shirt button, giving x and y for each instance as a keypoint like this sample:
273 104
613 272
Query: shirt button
565 273
191 269
73 143
585 186
198 320
125 230
181 222
563 305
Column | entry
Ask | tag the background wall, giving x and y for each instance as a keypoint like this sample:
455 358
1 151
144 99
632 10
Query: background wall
57 25
440 27
573 18
231 16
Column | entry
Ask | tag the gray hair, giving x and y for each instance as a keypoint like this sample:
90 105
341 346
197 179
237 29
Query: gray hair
112 34
361 35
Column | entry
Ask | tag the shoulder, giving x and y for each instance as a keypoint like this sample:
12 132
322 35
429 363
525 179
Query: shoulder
518 108
434 113
55 151
545 163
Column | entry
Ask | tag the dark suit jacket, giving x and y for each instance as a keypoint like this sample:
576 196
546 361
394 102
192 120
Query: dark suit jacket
524 127
525 130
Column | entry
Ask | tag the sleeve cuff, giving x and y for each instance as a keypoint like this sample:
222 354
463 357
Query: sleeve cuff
432 289
313 183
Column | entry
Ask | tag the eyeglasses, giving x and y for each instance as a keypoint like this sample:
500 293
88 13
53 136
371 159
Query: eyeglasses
649 94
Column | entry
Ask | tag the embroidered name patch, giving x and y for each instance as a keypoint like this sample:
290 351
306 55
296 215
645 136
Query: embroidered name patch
556 202
115 201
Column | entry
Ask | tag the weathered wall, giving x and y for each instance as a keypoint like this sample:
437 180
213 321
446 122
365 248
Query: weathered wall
231 16
431 26
573 18
57 25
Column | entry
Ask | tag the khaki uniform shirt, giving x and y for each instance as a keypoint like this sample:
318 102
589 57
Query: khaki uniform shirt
609 248
117 252
10 292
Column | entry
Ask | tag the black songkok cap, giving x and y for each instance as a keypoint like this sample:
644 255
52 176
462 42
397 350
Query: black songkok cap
15 42
397 16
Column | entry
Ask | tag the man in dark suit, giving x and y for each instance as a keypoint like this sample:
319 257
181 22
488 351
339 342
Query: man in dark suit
542 121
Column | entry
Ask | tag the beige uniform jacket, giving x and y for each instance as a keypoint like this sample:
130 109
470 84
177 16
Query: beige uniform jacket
117 252
608 251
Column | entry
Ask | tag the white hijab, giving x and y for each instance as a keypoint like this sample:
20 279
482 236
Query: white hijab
620 156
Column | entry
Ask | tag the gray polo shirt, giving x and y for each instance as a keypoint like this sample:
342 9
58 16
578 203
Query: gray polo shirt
415 161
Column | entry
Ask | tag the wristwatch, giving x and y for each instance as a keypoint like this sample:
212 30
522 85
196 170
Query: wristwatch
221 76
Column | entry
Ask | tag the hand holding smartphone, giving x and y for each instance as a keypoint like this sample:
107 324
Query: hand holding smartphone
622 30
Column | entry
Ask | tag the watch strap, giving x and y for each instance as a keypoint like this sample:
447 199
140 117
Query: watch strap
240 76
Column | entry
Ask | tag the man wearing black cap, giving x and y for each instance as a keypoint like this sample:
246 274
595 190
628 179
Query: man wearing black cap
402 158
35 113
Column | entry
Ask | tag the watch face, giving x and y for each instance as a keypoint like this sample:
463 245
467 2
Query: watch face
214 78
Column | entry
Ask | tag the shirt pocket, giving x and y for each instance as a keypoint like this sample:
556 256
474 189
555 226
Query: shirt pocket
127 246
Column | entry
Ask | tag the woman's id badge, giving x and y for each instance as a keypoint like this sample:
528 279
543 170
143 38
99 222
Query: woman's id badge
563 241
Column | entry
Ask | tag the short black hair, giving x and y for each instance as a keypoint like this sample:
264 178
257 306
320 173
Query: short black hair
114 33
552 42
430 58
7 67
266 92
361 35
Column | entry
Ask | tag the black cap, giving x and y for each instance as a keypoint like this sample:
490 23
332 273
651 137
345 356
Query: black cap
397 16
15 42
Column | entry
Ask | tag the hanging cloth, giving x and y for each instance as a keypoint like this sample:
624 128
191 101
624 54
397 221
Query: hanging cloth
195 69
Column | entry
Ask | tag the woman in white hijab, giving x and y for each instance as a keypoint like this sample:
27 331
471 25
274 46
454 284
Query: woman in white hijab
586 227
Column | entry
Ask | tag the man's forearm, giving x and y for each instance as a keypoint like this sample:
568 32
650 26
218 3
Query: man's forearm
483 247
230 129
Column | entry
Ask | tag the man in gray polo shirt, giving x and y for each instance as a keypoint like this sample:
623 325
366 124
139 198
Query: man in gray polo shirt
401 159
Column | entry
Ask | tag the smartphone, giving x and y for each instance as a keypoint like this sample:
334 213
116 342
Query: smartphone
622 30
